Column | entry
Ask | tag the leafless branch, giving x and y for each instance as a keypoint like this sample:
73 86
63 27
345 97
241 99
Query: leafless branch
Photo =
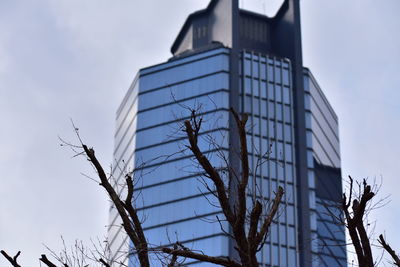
12 260
48 263
389 250
201 257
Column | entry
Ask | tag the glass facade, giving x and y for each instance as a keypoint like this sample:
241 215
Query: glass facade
266 96
149 139
324 176
257 66
171 198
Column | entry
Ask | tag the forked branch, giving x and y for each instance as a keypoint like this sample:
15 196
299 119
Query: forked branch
237 212
355 223
127 212
13 260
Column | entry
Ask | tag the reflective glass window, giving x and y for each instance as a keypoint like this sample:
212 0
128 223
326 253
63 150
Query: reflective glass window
271 129
271 110
255 69
282 233
267 254
263 71
288 133
270 72
183 72
263 89
247 85
274 233
187 89
288 153
283 257
286 95
271 93
277 75
247 67
286 77
291 237
264 108
312 199
290 214
247 104
308 120
279 128
275 252
279 112
310 159
264 128
289 172
281 176
280 151
289 193
256 91
311 179
272 173
307 102
278 93
292 257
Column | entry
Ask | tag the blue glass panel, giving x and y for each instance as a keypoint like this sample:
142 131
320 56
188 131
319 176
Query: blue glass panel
247 85
263 89
183 72
288 133
290 214
292 258
288 153
275 253
286 77
278 75
289 172
184 90
271 110
180 210
291 236
271 93
286 95
186 230
255 69
279 112
279 128
278 93
176 110
288 114
270 72
256 87
263 71
247 67
283 257
271 127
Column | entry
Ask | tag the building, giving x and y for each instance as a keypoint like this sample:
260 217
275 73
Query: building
228 57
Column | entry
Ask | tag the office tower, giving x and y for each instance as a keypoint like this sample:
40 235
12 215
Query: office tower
228 57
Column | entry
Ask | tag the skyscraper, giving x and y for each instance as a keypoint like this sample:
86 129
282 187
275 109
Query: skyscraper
228 57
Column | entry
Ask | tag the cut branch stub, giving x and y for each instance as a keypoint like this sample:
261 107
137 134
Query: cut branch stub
12 260
389 250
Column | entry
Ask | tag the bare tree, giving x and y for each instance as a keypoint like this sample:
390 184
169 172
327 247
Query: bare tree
356 205
248 243
354 208
258 219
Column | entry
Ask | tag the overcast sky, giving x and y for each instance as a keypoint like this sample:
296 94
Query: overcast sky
62 59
